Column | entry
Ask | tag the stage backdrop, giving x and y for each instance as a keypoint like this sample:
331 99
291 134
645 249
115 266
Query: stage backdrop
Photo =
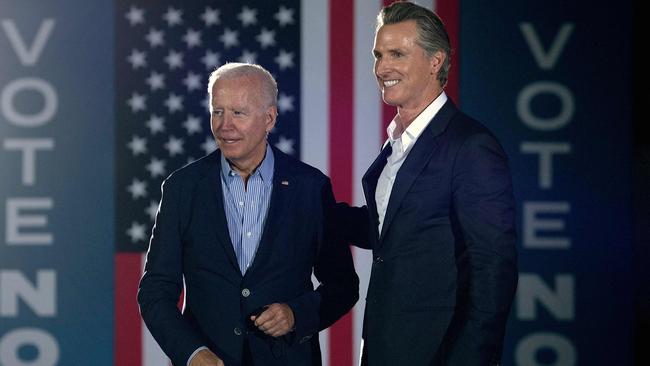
101 100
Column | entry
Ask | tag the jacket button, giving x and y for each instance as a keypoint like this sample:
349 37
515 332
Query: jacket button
245 292
237 331
378 259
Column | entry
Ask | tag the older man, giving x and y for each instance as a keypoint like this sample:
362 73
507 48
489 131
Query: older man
242 229
440 212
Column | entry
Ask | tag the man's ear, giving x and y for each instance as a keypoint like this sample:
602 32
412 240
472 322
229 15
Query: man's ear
436 62
271 116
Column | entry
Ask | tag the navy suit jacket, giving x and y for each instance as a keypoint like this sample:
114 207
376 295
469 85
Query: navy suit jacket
444 266
191 246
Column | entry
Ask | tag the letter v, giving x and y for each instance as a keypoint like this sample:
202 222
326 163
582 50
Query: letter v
28 57
546 60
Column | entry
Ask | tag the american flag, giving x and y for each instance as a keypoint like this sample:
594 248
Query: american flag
330 115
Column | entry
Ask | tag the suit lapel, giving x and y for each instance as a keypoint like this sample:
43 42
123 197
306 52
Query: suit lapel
281 197
369 183
416 160
211 183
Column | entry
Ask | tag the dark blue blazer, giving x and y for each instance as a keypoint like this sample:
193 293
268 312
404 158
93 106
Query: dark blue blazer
191 245
444 269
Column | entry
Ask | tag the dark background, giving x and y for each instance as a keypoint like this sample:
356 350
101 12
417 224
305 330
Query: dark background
641 192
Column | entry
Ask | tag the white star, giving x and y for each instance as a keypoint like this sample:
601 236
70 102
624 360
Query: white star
156 81
174 146
156 124
192 124
247 16
229 38
137 59
136 232
210 17
284 16
192 81
248 57
135 15
152 210
173 17
174 103
210 60
285 145
137 102
285 103
137 188
284 59
174 59
266 38
156 167
192 38
207 104
138 145
209 145
155 37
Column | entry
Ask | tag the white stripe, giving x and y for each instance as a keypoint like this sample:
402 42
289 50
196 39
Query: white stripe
367 136
314 95
314 85
152 355
324 339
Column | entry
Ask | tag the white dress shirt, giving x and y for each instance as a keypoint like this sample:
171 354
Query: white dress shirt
401 146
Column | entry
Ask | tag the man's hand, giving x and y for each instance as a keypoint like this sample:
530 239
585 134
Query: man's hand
277 320
205 357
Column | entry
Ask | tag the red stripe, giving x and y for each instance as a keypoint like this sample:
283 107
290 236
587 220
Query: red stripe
128 325
449 11
341 134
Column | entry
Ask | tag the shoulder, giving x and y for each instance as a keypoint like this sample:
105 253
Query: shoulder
467 132
291 166
194 171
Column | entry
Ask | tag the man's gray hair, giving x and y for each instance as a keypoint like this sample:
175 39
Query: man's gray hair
233 70
431 33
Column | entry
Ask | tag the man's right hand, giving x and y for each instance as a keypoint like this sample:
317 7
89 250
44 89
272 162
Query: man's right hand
205 357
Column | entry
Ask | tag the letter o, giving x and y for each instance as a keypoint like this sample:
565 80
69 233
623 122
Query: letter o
48 349
526 351
545 124
41 86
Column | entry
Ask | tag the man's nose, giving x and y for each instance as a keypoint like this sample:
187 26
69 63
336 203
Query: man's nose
227 121
380 67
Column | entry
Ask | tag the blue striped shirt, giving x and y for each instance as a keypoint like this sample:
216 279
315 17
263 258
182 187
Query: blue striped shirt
246 207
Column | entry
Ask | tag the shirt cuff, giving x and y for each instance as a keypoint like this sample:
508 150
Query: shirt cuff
194 354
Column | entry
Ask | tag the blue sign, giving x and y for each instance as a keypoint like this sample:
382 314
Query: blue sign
56 141
540 75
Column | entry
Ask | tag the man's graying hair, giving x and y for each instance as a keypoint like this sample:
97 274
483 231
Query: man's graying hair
431 33
234 70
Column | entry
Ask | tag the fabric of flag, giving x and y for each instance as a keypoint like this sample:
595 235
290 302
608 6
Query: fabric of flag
330 116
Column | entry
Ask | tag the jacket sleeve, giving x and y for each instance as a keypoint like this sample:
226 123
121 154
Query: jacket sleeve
484 211
353 224
338 288
339 283
162 282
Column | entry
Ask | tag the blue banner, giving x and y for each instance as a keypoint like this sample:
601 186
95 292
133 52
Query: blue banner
540 75
56 132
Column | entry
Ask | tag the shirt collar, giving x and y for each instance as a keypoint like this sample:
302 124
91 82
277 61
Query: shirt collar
265 169
414 130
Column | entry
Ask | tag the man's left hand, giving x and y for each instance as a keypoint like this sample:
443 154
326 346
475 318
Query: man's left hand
277 320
